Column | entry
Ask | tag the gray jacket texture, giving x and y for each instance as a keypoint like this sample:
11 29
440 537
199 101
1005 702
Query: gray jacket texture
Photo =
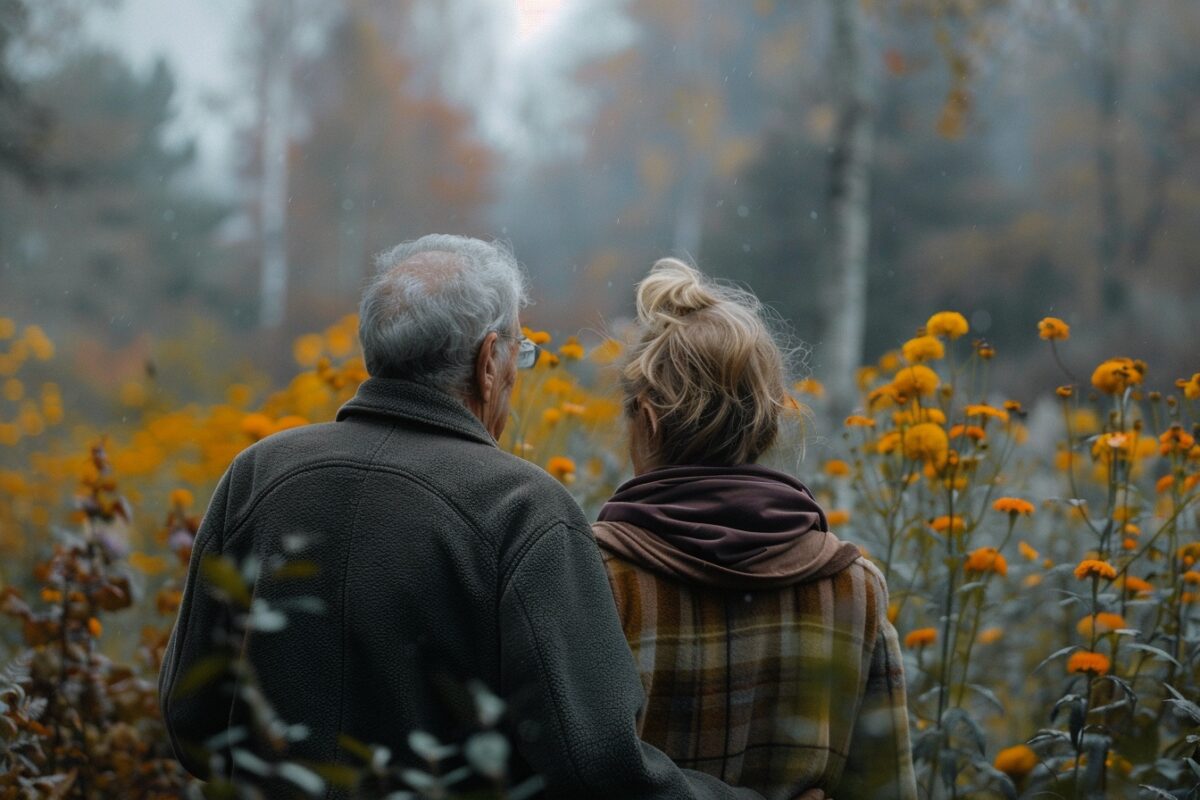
436 559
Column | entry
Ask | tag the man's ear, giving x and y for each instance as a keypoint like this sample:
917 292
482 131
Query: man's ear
486 368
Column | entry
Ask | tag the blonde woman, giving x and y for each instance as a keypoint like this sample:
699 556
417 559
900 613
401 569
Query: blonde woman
762 640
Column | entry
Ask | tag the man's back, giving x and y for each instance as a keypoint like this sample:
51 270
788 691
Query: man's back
406 523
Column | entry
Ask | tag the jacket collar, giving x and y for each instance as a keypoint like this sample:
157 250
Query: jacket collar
406 400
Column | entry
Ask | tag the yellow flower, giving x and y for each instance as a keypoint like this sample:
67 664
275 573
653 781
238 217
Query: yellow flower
1175 439
1191 576
837 468
1027 552
987 559
923 348
150 565
551 416
571 350
1013 505
837 516
339 341
1016 761
1191 386
859 421
1103 622
943 523
14 390
1134 585
1117 374
973 432
307 349
921 637
889 361
1065 392
926 442
984 410
257 426
888 443
561 468
915 379
1164 483
1091 566
182 499
7 328
1053 328
990 635
537 337
94 627
950 324
810 386
912 417
1085 661
607 351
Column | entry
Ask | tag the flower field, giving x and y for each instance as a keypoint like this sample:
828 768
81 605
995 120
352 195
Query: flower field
1047 591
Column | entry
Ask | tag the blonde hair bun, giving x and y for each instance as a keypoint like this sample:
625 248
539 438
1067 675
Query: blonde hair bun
672 290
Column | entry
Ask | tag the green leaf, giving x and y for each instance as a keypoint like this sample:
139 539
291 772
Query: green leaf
202 673
223 574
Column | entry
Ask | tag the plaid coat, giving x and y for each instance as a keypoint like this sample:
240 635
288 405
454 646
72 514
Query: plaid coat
779 690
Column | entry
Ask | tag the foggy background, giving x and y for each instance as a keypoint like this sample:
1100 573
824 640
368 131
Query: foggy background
219 173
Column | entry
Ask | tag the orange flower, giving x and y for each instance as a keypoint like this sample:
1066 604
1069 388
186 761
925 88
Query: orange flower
984 410
990 635
859 421
1016 761
1086 661
837 516
916 379
1175 439
810 386
182 499
973 432
1027 551
1191 387
1013 505
1134 584
923 348
1053 328
921 637
950 324
94 627
987 559
1065 391
537 337
1164 483
926 442
943 523
561 468
1103 622
1091 566
888 443
571 349
837 468
1117 374
1191 576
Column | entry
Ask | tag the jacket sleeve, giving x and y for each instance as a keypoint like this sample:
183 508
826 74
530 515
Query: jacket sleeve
571 685
879 763
193 714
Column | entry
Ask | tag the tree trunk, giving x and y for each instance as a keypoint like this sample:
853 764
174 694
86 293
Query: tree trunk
849 206
279 20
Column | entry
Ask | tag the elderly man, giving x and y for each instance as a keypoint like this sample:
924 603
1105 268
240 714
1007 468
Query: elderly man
441 562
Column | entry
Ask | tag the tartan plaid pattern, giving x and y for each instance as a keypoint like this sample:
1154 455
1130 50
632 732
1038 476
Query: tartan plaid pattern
779 691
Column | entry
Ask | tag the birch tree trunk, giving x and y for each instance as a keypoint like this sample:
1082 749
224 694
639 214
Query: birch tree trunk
276 110
849 205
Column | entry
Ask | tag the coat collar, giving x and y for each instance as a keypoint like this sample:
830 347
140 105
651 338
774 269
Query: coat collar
401 399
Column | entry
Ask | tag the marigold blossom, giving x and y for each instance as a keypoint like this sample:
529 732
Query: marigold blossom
1016 761
987 559
943 523
950 324
984 410
837 516
859 421
1088 662
928 442
1052 328
837 468
1103 622
1026 551
1092 566
915 379
921 637
1013 505
923 348
561 468
1117 374
810 386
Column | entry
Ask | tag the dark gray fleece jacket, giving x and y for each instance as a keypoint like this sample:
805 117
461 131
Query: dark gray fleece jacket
440 560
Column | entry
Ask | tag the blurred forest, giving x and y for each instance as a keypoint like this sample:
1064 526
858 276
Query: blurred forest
847 160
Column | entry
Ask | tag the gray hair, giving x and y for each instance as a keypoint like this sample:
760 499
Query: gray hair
432 302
